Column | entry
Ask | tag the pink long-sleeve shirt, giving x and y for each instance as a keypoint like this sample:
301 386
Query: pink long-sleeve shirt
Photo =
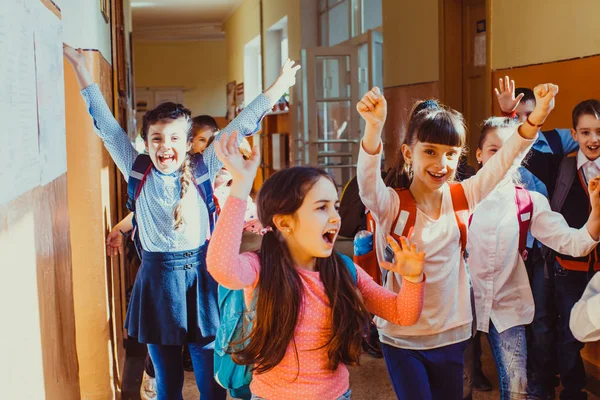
308 377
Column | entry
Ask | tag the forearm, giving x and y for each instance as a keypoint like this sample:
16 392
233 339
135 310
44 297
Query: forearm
275 91
84 78
126 224
593 224
372 139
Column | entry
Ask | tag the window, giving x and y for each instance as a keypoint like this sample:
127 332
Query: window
276 49
252 69
341 20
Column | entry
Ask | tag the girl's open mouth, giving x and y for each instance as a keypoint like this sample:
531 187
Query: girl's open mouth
166 159
329 236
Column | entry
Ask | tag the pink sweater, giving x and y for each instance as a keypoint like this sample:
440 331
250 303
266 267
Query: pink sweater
313 380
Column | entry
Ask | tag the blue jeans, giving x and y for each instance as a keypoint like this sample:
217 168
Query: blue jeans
509 350
426 374
169 370
569 286
345 396
542 347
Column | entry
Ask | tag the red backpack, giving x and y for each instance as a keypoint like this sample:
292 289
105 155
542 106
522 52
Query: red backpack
404 222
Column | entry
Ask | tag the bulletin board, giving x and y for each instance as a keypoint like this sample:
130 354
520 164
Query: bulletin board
32 105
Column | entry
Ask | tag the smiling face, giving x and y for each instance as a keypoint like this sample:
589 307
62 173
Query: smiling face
314 227
167 144
494 139
432 164
587 134
200 140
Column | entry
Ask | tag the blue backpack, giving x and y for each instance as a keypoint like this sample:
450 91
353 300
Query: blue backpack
137 177
236 322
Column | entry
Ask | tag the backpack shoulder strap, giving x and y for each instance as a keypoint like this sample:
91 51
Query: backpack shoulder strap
461 211
524 214
351 267
553 138
405 220
137 176
203 184
564 180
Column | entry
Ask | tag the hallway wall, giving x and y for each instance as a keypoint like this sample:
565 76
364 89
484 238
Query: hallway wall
201 70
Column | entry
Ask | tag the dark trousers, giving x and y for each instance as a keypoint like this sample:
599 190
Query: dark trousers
541 343
426 374
569 287
169 371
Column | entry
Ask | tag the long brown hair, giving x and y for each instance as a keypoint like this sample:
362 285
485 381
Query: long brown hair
429 122
167 112
280 289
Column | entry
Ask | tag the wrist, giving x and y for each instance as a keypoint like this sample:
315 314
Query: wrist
241 190
537 118
414 278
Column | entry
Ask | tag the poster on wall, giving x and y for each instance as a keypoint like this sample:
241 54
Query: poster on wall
19 133
239 97
50 94
230 114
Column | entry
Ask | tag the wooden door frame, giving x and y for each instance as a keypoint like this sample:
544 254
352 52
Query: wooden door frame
450 21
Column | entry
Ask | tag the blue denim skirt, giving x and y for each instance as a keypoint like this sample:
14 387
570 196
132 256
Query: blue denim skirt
174 299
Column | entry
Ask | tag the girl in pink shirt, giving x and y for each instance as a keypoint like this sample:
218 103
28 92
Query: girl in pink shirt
425 361
310 314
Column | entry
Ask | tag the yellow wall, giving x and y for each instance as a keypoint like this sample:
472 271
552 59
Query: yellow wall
274 10
240 28
539 31
411 43
199 67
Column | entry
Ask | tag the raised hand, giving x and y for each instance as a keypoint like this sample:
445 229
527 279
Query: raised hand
287 76
505 93
114 243
544 97
74 56
241 170
408 260
373 107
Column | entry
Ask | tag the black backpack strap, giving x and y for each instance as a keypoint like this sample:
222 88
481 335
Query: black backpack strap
553 138
137 176
204 186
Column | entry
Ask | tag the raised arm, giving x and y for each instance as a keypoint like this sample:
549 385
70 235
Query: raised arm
585 315
514 150
374 194
552 230
227 266
106 126
247 123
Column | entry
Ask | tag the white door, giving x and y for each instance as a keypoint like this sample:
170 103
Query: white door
331 122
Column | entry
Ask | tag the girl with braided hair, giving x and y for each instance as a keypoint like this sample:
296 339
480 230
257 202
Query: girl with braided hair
174 299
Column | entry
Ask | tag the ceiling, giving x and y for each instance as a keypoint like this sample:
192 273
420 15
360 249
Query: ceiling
154 13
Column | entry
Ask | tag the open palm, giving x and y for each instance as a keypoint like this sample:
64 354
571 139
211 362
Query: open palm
408 260
228 151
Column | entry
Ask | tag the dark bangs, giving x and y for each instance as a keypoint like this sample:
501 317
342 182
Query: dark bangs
441 126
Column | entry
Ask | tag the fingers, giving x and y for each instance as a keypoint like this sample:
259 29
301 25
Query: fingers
519 97
497 92
393 244
501 85
232 143
512 86
389 266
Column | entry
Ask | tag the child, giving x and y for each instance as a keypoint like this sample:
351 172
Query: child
585 321
567 179
425 361
174 300
503 299
542 331
309 312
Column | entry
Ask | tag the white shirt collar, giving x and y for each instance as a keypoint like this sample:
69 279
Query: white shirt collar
582 159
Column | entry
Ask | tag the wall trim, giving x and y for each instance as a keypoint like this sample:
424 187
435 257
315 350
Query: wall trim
545 63
190 32
410 84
